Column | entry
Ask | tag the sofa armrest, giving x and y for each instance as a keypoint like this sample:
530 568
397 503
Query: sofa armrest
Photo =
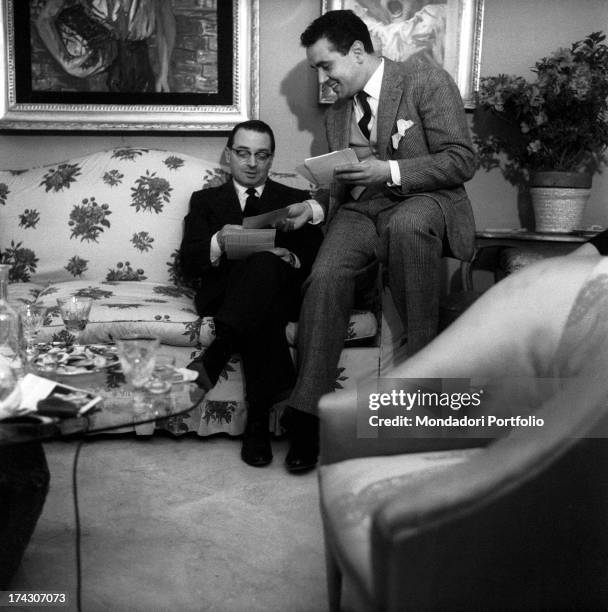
340 441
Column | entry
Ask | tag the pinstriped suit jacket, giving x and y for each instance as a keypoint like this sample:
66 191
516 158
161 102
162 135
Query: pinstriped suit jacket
435 154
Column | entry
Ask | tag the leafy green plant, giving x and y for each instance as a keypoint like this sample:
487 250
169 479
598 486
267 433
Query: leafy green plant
561 118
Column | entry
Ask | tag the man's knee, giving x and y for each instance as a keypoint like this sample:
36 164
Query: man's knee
417 216
327 276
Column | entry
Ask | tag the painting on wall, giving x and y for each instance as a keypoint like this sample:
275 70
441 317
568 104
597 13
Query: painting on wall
444 32
128 64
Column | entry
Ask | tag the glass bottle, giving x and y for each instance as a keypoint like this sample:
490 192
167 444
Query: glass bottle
10 327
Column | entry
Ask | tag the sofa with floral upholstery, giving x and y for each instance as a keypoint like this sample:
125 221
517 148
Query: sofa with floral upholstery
108 225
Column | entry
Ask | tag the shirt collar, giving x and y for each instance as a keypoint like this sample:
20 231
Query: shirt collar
241 190
373 86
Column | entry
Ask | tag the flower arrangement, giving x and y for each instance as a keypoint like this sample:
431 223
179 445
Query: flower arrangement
561 118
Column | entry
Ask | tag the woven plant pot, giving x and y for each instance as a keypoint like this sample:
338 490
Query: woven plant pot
559 200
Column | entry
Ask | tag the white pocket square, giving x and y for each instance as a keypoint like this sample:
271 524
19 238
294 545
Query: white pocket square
402 126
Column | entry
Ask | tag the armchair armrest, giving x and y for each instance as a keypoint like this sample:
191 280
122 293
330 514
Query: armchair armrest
576 412
339 439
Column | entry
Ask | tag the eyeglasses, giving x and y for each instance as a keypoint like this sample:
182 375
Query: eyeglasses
245 155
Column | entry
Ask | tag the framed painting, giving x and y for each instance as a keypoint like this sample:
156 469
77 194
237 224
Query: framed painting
174 65
445 32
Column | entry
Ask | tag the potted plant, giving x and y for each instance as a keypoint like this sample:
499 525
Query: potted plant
561 133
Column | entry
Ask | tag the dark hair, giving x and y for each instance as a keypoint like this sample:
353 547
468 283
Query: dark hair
341 28
255 125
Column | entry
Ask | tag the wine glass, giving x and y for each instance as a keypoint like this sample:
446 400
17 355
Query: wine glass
138 358
32 317
163 374
75 314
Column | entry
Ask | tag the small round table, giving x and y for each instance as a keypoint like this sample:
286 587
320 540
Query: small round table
115 413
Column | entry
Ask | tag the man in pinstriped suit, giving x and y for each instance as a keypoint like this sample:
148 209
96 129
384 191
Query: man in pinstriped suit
403 203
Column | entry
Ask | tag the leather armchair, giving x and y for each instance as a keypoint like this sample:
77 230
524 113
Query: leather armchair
520 524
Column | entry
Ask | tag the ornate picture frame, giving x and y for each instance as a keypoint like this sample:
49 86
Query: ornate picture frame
209 50
447 32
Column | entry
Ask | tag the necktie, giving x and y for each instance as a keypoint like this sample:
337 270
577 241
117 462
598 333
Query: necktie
251 203
367 114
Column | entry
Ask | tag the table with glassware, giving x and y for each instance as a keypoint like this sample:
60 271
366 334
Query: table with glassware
123 407
136 382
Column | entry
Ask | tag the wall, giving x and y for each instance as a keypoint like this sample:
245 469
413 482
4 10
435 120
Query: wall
516 33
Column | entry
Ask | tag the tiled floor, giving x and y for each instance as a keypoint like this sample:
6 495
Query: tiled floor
179 525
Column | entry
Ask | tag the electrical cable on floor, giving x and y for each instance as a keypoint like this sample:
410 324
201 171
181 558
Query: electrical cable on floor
77 522
77 512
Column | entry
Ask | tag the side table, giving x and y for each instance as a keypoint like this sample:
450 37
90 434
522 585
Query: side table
543 244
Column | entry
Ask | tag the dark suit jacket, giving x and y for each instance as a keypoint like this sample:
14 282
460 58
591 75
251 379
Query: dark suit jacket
435 154
210 210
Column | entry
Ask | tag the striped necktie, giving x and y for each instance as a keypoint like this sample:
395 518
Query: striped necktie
251 203
367 114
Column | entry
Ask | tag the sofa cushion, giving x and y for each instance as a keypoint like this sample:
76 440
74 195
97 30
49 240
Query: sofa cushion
126 309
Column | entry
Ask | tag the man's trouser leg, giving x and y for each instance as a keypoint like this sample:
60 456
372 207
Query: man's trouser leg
414 231
348 248
256 308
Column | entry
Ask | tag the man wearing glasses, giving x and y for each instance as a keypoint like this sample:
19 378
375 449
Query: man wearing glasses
250 299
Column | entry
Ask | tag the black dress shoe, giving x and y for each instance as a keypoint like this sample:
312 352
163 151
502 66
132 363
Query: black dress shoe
302 456
304 433
256 450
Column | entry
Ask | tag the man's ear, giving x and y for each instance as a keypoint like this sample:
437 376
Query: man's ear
227 155
358 49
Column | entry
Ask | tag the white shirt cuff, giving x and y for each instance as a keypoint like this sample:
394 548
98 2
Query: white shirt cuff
214 250
317 212
395 173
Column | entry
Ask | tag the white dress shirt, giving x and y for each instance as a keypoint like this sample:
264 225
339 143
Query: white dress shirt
372 89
